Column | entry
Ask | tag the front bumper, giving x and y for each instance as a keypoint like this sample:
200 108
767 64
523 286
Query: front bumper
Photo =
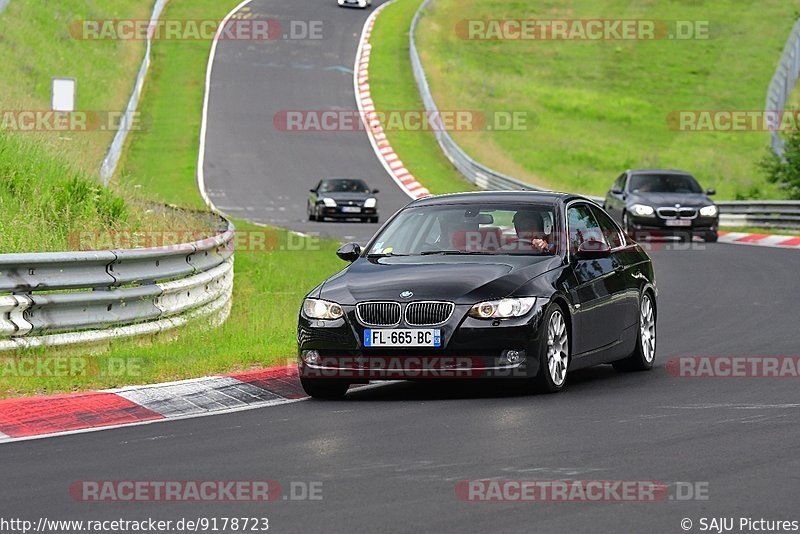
337 213
471 348
658 227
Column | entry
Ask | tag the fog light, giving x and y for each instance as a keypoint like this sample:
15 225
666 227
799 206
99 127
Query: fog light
514 356
311 357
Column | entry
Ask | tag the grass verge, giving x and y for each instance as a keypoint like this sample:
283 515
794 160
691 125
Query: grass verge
600 107
393 88
40 40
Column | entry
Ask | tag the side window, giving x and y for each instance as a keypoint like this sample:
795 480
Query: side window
610 230
619 184
582 227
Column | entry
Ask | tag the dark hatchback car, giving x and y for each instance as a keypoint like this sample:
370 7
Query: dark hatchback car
342 198
489 284
662 202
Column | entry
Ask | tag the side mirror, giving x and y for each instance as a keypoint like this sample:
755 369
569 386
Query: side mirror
349 252
710 192
312 190
616 190
376 191
592 250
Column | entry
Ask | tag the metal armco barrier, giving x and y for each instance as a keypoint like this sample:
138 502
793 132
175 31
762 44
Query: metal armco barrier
765 214
783 82
59 298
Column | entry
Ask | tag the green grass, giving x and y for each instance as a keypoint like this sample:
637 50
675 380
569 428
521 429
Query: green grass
598 108
392 88
37 44
43 201
162 161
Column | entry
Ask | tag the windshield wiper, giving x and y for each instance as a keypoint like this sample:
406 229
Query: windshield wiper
446 252
384 255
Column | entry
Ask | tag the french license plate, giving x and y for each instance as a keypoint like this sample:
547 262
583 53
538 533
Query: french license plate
678 222
351 209
399 337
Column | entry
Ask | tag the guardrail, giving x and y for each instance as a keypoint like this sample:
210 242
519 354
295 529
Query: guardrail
109 165
765 214
783 82
59 298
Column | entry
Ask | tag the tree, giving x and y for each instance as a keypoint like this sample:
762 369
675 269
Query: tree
785 171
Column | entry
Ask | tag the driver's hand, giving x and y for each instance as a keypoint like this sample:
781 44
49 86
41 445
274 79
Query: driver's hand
539 244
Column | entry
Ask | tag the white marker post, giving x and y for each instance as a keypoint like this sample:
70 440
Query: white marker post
64 94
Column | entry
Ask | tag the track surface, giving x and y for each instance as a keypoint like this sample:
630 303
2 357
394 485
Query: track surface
259 172
389 457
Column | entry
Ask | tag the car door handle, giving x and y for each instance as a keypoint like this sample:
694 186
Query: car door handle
619 268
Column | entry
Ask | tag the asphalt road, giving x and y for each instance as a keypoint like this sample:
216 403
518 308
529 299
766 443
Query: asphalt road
255 168
389 457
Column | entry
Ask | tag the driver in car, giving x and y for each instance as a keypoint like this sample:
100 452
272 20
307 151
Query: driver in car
530 232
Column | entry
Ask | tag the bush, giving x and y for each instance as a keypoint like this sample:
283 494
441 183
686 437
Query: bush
785 171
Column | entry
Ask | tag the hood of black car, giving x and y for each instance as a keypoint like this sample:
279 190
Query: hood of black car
460 279
690 200
344 197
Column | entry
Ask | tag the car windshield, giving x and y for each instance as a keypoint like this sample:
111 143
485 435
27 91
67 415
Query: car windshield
343 185
469 229
664 183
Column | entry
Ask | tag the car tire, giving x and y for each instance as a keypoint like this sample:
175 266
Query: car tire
373 220
711 237
311 215
554 347
626 225
644 355
325 388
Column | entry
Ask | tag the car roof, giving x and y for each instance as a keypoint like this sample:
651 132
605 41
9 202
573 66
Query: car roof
658 171
542 197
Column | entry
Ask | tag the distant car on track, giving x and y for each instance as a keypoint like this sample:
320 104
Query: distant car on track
488 284
363 4
342 198
662 202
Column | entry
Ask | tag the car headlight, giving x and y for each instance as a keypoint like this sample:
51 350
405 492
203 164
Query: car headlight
642 210
322 309
503 308
370 203
329 202
708 211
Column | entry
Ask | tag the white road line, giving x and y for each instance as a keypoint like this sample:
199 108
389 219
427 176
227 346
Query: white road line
201 153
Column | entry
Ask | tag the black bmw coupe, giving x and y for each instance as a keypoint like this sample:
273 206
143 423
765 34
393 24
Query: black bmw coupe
490 284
